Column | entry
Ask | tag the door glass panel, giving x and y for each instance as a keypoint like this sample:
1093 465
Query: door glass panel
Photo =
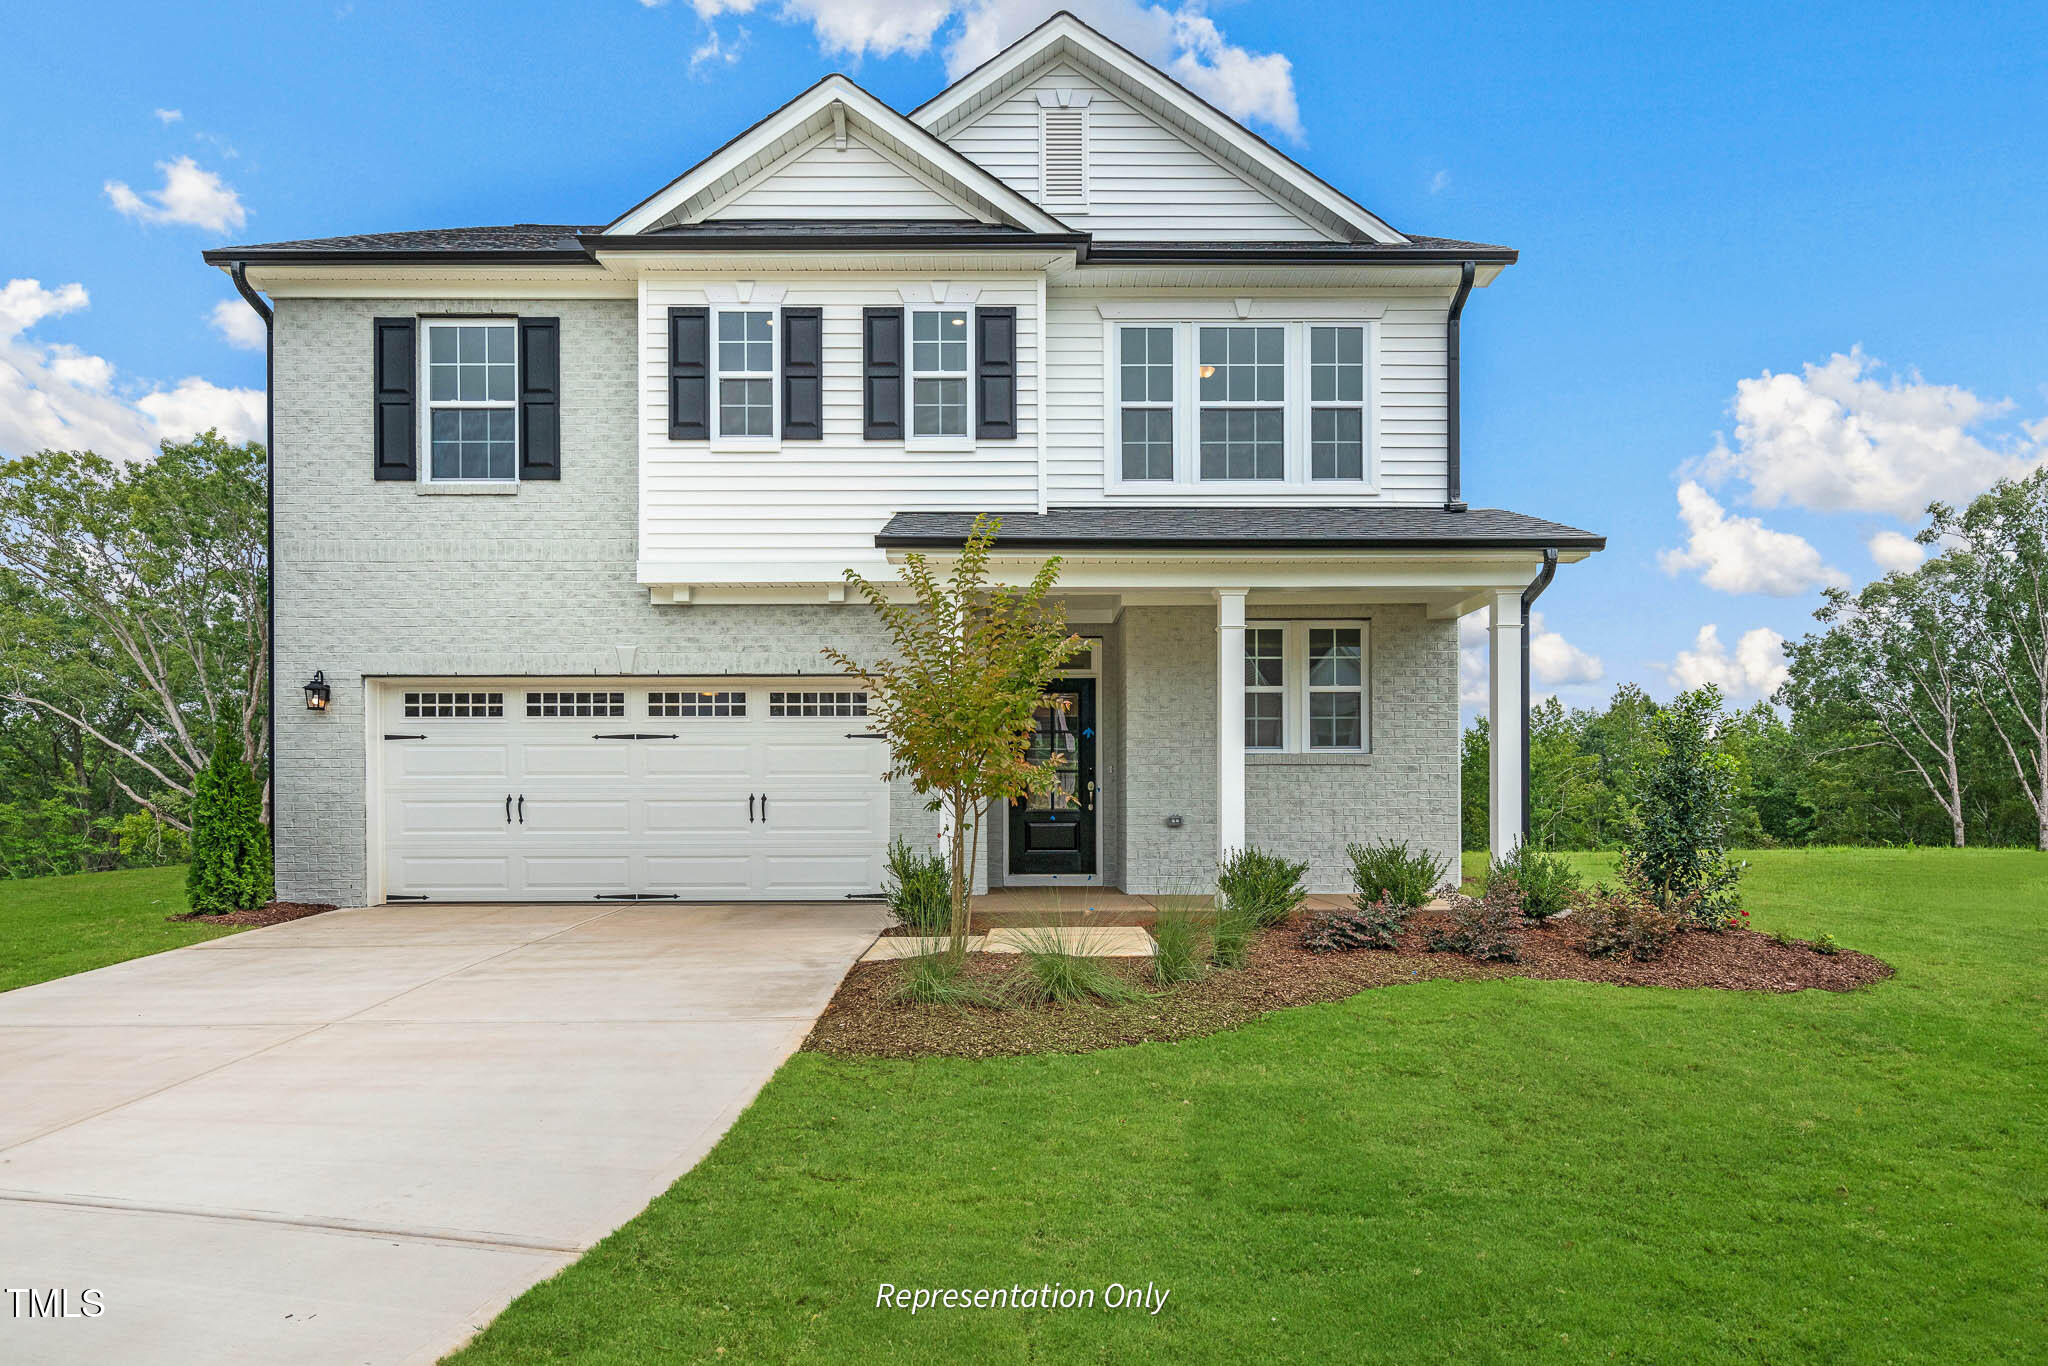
1054 734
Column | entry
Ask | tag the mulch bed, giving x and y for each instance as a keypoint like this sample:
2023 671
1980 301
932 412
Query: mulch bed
862 1020
271 913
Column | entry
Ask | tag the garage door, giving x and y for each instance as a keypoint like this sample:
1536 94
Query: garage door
573 791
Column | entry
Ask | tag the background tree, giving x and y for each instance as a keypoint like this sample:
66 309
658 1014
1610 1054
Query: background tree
2001 553
132 614
959 698
1892 659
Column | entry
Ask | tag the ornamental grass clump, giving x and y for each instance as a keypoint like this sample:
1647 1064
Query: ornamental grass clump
939 979
1180 946
1375 926
1059 970
1390 869
920 893
1539 885
1265 886
1231 931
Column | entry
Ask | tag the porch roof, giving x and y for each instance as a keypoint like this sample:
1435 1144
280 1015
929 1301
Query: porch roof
1418 527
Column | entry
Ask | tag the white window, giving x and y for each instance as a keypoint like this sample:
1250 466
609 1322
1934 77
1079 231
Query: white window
746 373
1336 396
1243 402
1306 684
696 704
472 384
938 372
817 704
1145 401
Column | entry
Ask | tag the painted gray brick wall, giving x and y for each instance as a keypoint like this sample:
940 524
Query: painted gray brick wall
1300 806
378 579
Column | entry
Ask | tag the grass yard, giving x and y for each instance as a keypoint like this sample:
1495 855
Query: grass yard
1449 1170
55 926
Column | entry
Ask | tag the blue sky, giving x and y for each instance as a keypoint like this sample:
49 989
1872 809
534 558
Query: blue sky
1702 198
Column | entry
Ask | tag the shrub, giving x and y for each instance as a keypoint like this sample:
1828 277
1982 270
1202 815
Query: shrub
230 868
1390 869
937 979
1625 922
1375 926
1539 885
1825 943
1675 848
1055 973
1266 886
920 892
1230 935
1180 948
1482 930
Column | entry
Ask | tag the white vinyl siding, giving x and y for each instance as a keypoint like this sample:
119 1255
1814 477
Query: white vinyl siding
1143 179
1404 410
826 182
807 511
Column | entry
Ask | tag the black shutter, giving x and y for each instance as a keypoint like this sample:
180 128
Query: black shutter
803 357
540 398
882 374
394 360
689 374
995 373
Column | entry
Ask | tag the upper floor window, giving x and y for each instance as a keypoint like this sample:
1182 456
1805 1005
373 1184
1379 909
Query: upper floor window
1272 405
746 372
938 372
472 400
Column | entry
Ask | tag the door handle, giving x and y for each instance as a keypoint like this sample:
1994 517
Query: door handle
750 808
508 808
522 808
764 808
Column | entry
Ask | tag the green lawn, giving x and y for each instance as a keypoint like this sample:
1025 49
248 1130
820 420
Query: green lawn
55 926
1450 1170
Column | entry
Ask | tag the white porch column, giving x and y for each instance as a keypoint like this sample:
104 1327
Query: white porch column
1229 720
1504 722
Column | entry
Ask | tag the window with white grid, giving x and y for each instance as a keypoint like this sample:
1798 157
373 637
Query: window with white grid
696 704
454 706
561 704
817 704
746 372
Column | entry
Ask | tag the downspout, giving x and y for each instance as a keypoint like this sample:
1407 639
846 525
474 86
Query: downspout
1529 596
239 273
1453 485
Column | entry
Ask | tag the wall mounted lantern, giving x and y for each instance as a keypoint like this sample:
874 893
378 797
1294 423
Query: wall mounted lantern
317 692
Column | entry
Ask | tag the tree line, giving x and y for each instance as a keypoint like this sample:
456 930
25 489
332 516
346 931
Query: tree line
1916 714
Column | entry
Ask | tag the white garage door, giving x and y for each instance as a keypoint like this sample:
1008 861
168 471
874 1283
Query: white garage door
570 791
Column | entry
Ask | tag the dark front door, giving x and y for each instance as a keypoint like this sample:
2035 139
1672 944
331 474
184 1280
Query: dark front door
1055 833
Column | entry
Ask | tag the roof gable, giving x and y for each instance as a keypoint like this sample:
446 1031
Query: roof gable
840 177
832 111
1203 127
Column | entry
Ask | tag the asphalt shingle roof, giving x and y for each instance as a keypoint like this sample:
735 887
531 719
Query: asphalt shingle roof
1225 528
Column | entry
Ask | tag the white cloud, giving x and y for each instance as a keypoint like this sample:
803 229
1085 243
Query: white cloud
1756 669
1440 182
196 406
167 117
55 396
1741 554
1895 553
714 48
237 324
1184 41
1553 660
1839 437
190 195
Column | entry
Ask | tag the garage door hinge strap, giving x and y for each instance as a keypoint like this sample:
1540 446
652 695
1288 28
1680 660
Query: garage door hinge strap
405 737
635 735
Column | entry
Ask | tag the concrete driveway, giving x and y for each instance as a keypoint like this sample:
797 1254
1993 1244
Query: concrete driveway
354 1138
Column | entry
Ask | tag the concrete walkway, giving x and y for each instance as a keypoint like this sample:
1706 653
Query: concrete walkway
354 1138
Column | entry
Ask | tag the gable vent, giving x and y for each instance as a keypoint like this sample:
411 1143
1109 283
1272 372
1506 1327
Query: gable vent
1063 157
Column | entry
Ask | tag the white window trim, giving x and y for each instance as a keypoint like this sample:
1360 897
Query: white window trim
1185 320
424 387
1294 684
772 442
911 374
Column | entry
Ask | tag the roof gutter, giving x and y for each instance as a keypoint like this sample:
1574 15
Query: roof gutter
239 273
1454 491
1529 596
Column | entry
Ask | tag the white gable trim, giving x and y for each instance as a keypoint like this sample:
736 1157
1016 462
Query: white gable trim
836 98
1065 36
840 138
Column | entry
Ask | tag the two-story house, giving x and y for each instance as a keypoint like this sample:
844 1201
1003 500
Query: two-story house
562 513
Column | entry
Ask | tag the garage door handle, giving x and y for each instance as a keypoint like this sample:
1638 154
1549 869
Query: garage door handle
764 808
508 808
522 808
750 808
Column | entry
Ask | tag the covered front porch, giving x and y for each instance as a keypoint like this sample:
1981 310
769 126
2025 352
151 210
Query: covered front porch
1287 681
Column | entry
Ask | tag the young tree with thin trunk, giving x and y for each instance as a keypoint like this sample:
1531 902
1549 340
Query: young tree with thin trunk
958 699
1892 660
2001 552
